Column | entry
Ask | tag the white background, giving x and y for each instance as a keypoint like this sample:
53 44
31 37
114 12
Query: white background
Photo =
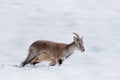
25 21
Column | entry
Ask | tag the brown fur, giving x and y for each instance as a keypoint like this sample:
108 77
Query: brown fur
51 51
51 47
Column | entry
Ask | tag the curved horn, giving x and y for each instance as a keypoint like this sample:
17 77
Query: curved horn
76 35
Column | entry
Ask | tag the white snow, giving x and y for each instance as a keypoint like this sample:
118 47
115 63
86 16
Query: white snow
25 21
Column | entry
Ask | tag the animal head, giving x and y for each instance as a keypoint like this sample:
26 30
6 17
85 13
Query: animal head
79 42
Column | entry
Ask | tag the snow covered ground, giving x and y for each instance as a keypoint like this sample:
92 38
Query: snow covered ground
25 21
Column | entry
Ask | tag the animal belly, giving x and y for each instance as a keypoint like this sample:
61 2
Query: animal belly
43 57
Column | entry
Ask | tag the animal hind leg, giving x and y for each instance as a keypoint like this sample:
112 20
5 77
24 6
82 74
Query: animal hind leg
44 57
35 61
39 58
32 54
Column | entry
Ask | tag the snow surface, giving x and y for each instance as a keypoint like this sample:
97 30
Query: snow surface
25 21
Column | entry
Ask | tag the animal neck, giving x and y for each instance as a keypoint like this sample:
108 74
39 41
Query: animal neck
71 48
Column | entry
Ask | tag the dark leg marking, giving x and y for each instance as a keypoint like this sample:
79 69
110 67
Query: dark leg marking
60 61
35 63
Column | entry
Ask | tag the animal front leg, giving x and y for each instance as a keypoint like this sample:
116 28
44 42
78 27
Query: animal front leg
52 63
60 61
